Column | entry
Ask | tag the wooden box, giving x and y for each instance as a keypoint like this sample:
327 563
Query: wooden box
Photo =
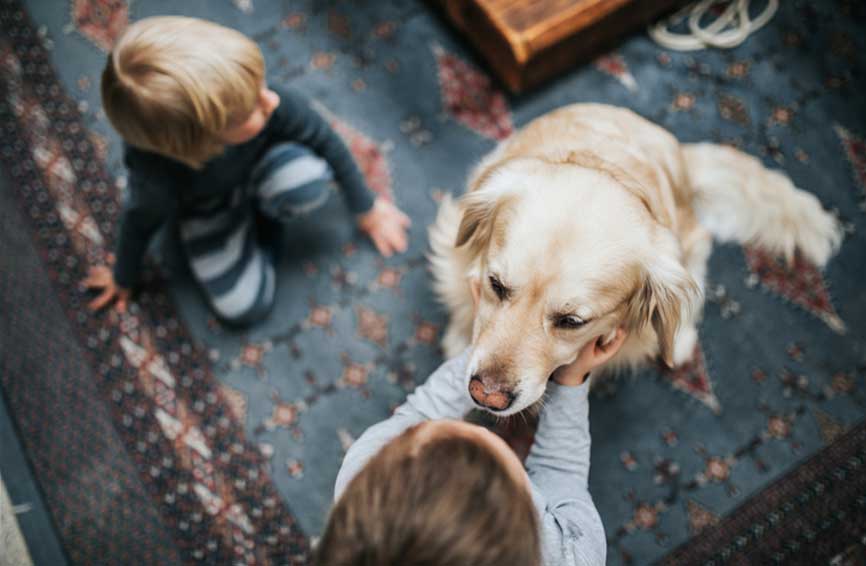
526 42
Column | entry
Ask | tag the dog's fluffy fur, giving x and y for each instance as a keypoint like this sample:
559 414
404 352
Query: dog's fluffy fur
592 218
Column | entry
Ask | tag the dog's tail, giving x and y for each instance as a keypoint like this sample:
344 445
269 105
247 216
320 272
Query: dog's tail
738 199
449 266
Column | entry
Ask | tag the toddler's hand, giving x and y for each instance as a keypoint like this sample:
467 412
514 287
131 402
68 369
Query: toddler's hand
101 277
386 225
577 371
594 354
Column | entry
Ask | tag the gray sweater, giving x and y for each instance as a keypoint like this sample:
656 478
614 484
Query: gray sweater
557 465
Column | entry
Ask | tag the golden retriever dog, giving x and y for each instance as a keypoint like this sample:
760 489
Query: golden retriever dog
591 219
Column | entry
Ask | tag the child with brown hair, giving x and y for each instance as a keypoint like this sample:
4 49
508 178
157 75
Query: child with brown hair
211 146
426 489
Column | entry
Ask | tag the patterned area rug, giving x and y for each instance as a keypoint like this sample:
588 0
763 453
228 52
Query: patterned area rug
158 436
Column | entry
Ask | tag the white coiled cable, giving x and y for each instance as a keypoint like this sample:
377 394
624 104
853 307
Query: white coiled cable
730 29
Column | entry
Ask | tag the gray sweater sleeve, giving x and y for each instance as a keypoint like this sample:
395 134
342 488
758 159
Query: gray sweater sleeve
151 202
443 396
558 467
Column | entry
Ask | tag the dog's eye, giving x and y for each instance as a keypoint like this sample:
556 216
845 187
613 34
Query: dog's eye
498 288
568 321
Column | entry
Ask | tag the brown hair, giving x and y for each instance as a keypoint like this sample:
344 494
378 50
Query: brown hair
446 501
172 83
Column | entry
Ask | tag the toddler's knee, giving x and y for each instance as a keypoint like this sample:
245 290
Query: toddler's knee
241 319
250 297
291 180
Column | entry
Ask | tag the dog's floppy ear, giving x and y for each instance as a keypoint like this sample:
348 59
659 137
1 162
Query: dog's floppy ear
480 209
667 294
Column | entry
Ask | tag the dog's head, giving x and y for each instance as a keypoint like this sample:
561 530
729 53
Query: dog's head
563 254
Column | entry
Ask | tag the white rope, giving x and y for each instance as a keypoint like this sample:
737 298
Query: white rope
730 29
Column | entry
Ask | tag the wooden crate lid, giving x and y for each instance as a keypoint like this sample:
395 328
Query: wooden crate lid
529 41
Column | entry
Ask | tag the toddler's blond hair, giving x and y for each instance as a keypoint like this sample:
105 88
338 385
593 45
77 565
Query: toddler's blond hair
172 83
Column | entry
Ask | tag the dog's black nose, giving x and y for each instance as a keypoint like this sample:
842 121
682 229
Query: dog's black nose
489 395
